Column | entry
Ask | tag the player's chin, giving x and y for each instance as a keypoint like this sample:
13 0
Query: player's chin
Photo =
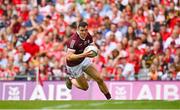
83 35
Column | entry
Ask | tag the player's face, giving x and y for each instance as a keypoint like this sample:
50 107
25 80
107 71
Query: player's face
83 31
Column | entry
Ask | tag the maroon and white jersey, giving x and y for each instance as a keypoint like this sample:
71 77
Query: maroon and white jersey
78 45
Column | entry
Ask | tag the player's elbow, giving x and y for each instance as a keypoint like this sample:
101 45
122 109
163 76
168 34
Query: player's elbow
68 58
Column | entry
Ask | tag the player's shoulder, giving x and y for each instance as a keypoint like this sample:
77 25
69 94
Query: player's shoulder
73 40
74 36
89 34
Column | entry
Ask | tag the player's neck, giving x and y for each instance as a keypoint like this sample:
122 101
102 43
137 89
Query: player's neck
83 38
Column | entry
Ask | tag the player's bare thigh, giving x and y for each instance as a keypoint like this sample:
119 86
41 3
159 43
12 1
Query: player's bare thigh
80 82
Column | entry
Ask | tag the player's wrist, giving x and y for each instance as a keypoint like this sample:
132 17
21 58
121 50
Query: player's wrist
84 55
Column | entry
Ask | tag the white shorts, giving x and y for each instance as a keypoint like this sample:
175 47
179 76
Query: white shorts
77 71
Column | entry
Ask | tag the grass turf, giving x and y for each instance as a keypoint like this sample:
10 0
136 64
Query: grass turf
95 104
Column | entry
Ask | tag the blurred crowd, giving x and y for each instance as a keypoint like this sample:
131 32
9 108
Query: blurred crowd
137 39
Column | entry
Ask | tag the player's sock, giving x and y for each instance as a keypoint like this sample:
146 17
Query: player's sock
108 96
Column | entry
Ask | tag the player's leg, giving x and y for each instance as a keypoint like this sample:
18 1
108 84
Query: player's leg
93 73
75 76
80 82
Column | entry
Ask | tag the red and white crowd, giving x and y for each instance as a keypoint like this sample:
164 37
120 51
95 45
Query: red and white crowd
137 39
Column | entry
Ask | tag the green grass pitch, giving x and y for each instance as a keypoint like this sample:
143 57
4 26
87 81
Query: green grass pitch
93 104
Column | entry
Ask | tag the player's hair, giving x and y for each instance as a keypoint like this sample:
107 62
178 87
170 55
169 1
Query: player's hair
82 24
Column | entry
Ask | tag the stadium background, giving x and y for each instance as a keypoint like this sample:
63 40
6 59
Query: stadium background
138 39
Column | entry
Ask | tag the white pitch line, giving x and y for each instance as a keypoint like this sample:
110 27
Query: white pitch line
61 106
97 103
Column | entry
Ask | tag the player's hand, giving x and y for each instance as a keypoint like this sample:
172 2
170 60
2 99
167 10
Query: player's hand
89 54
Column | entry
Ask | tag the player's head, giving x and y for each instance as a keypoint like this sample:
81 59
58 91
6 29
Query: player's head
83 29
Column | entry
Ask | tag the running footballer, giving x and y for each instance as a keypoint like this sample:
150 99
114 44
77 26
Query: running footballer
78 62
